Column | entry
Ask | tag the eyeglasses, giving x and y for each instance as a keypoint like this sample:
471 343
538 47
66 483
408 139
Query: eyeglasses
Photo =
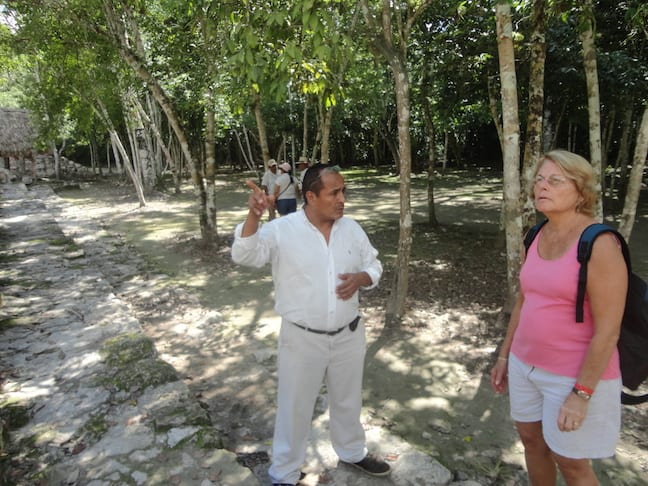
553 180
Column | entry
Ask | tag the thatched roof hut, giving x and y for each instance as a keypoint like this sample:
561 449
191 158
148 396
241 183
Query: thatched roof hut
16 132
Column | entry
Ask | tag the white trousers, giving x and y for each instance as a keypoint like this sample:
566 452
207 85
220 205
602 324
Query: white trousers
305 360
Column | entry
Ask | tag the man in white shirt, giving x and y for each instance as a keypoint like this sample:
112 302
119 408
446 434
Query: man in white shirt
302 167
268 184
320 259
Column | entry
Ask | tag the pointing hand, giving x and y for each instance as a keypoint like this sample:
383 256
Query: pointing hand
259 201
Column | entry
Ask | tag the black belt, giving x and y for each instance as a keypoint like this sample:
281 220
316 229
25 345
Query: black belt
351 325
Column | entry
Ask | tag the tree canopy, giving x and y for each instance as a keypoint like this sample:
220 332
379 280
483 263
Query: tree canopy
308 57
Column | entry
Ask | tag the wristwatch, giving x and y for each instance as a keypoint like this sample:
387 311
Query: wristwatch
582 394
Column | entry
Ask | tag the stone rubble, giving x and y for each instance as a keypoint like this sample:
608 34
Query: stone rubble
102 408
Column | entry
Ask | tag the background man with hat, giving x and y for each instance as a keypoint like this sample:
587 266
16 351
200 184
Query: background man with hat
268 183
302 167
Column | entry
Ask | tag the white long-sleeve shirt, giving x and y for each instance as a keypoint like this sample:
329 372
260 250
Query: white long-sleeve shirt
305 269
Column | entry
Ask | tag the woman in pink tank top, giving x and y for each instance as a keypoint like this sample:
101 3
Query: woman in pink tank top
563 377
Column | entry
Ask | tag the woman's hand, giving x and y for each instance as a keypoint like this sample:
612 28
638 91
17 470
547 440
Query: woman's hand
499 375
572 413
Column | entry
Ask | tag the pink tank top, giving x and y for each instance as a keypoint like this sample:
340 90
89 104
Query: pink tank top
548 335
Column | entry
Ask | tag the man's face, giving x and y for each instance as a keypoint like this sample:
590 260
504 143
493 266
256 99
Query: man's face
329 203
273 168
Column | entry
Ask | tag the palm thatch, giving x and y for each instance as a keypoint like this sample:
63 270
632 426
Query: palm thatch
16 132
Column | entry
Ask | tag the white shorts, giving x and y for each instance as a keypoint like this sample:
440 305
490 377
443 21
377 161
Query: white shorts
537 395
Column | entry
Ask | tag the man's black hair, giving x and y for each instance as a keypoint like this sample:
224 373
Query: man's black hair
313 178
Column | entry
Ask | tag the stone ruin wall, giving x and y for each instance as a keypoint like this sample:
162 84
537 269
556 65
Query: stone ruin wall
41 167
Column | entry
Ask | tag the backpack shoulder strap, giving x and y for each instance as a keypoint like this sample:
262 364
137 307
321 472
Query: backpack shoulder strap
532 233
584 252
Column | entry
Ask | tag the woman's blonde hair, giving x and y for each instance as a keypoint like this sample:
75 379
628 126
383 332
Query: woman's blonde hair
581 172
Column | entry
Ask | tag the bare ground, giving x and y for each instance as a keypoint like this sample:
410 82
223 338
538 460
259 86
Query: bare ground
425 381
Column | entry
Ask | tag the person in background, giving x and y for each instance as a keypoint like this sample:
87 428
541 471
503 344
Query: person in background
285 190
563 376
320 260
302 167
268 183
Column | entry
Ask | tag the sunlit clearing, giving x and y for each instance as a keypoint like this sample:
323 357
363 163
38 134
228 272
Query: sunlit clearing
430 403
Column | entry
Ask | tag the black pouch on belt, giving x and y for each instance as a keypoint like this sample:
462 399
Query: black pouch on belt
353 325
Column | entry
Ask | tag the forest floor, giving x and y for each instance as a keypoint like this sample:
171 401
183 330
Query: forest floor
426 381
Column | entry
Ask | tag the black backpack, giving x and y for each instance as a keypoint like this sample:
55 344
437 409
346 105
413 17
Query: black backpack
633 339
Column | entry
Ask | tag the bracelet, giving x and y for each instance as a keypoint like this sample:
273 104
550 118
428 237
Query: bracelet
582 388
581 394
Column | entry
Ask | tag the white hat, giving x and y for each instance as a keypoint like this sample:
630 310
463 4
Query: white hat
285 167
272 163
303 160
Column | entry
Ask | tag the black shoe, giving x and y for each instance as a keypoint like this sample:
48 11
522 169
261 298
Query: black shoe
373 465
302 475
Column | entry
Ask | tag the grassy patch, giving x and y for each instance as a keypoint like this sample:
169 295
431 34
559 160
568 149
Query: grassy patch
122 350
14 415
134 365
94 428
68 244
17 321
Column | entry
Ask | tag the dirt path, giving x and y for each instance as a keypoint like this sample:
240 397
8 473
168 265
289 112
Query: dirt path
426 382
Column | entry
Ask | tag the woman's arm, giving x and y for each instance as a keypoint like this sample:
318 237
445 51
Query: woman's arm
607 285
277 190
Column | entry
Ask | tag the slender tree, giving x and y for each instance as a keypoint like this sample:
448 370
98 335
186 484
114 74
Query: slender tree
533 139
510 144
593 97
389 27
636 175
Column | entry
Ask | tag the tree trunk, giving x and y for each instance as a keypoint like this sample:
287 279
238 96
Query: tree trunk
304 150
495 112
57 161
547 128
143 142
621 161
263 137
210 168
511 153
163 146
318 134
102 113
393 147
327 120
390 42
533 143
397 301
608 133
636 174
429 122
172 163
593 99
129 167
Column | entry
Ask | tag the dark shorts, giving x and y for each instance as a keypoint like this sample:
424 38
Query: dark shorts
286 206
